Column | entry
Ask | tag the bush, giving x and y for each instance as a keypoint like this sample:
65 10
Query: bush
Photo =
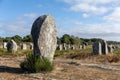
36 64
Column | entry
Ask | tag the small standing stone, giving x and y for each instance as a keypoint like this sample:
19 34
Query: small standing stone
72 47
83 46
104 47
69 46
80 47
5 45
64 46
12 46
23 46
31 46
110 49
59 47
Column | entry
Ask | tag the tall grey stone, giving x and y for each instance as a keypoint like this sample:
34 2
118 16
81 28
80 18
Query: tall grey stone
23 46
104 47
44 36
12 46
97 48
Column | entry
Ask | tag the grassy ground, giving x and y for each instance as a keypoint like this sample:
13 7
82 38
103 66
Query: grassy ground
67 66
87 54
4 52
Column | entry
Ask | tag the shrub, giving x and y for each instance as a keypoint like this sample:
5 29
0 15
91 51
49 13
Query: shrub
36 64
113 58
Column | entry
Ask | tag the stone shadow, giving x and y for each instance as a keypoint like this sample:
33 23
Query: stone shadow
11 70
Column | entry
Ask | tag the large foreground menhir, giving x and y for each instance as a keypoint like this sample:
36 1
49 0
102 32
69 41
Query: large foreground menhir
44 36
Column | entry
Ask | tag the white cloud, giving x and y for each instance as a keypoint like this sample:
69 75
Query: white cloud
13 28
22 25
106 31
28 15
85 15
114 16
89 8
92 7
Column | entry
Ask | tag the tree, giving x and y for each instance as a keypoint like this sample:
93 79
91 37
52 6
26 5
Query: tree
65 39
7 39
17 38
27 38
58 40
75 40
1 39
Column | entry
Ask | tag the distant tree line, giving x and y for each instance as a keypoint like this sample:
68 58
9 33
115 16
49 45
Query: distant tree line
70 39
17 38
66 38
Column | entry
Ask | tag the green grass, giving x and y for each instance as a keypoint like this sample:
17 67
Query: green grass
36 64
117 52
4 52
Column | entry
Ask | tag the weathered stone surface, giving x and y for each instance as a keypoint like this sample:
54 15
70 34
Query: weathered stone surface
44 36
97 48
11 45
104 47
23 46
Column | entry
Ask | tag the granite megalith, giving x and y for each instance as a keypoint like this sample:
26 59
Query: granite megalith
23 46
44 37
12 46
97 48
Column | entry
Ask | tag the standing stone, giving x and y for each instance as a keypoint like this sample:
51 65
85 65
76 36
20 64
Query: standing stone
113 47
85 43
31 46
64 46
59 47
104 47
69 46
5 45
83 46
44 37
12 46
110 49
97 48
72 47
80 47
23 46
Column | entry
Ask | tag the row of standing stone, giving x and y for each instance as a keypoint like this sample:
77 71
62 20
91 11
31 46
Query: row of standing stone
12 46
100 48
70 47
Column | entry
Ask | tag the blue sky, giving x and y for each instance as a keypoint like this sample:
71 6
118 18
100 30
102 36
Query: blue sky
83 18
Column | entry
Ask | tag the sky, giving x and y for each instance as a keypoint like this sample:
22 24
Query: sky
82 18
